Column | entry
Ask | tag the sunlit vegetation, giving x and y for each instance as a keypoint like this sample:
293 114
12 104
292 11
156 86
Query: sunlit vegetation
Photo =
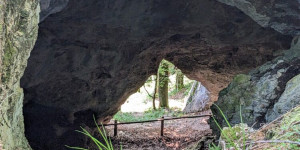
147 115
282 133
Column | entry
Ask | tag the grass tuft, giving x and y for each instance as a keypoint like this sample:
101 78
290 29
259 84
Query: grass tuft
106 145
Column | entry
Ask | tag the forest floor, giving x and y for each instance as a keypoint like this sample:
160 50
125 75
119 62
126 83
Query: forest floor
178 134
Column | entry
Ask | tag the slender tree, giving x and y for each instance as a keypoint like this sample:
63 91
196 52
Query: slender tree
163 78
179 80
154 92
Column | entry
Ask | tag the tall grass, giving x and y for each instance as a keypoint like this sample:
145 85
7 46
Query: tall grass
244 135
229 136
106 145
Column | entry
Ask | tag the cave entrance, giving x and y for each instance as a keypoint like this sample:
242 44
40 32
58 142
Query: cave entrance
185 98
77 70
179 92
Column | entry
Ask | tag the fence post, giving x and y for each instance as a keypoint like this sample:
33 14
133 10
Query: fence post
116 128
162 126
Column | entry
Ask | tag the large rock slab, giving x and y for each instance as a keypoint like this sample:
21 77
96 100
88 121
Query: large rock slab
265 93
18 32
198 98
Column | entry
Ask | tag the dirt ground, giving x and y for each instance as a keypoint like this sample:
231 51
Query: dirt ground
178 134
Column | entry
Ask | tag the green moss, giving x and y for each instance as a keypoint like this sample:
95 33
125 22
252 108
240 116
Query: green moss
1 28
18 31
239 92
241 78
8 59
288 129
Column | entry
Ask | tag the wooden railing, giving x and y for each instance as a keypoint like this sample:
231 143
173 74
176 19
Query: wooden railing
162 120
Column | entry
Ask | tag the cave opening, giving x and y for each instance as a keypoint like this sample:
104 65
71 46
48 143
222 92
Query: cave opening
178 90
142 111
88 56
65 85
88 59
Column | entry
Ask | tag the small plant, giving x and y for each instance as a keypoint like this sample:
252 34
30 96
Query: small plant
230 133
212 146
107 145
282 134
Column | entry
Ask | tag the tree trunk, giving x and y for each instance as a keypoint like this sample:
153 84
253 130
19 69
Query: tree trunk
179 80
154 93
163 78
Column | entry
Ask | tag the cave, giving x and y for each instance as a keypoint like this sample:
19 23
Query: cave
90 56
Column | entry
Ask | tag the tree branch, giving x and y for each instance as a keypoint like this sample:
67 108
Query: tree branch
147 91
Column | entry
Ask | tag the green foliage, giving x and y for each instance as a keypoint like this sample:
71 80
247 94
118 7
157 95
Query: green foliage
213 147
244 135
149 80
174 92
147 115
229 134
188 87
107 145
171 67
163 73
287 129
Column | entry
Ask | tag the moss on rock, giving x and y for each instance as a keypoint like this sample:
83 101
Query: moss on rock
266 93
18 32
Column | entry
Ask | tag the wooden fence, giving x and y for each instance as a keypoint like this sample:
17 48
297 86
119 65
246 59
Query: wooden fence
162 120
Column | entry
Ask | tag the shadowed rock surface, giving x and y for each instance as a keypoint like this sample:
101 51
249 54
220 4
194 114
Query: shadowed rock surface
283 16
92 55
49 7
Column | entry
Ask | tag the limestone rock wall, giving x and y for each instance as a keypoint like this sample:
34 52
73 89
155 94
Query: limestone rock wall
18 32
265 93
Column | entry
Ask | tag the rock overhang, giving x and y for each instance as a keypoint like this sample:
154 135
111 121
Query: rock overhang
91 55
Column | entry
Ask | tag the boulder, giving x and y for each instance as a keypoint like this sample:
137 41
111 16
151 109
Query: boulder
290 98
264 94
198 98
